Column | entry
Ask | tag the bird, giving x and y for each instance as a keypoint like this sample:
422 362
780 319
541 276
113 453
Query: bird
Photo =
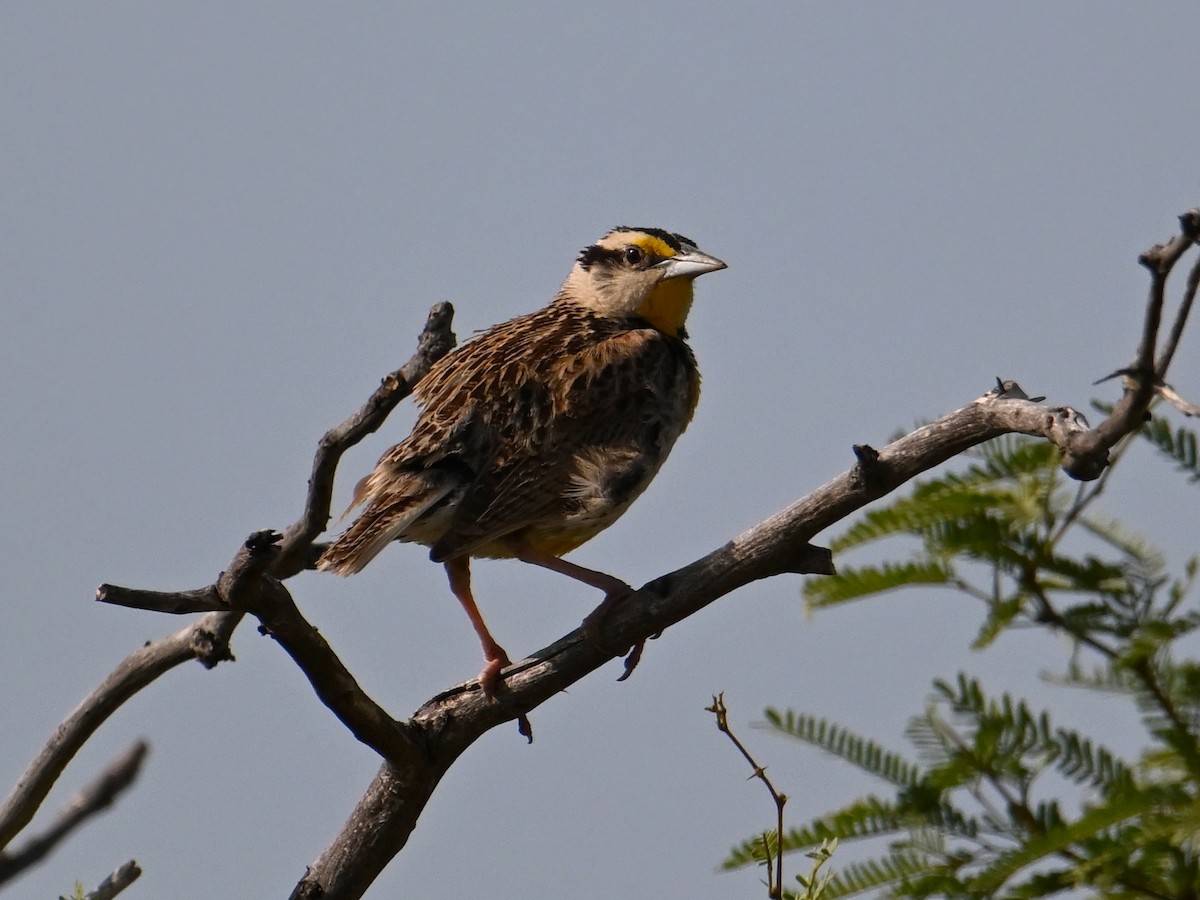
538 433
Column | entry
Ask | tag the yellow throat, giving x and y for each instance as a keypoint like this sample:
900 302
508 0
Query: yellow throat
667 306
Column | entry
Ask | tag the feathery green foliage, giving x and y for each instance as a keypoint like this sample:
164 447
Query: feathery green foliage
844 744
1179 444
856 582
859 877
1001 801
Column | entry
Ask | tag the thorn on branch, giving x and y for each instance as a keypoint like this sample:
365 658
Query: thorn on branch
1131 373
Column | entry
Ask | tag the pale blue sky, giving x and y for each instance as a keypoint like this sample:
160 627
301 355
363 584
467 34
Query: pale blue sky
221 223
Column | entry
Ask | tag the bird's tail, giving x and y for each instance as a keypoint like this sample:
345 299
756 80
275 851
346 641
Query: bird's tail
384 520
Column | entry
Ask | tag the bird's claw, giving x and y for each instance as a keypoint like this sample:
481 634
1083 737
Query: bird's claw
632 659
593 623
489 676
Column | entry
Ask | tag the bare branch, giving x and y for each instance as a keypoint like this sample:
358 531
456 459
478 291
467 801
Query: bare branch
247 586
206 599
1160 260
268 600
1087 453
252 579
207 639
95 797
1185 306
436 341
418 752
123 877
451 721
232 590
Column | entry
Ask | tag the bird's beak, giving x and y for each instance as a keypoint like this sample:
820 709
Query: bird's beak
689 264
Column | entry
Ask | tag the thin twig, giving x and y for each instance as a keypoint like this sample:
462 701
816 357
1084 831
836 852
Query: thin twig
1161 260
1086 455
774 880
1181 317
206 639
116 777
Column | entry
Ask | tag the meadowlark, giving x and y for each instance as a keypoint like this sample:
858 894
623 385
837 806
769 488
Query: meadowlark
538 433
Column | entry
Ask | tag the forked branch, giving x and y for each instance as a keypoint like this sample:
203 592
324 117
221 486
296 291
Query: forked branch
380 825
418 751
207 639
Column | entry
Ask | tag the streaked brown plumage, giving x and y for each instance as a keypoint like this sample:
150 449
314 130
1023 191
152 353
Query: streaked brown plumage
539 433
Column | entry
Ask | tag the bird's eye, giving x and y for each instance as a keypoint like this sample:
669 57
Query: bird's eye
634 255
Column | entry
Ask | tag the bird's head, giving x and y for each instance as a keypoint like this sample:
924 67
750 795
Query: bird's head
640 273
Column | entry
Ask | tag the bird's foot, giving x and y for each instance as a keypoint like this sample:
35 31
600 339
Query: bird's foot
593 623
489 677
489 681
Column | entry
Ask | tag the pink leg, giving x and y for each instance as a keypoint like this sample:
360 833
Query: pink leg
458 570
615 590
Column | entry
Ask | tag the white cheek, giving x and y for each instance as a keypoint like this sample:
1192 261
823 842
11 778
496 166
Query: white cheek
632 295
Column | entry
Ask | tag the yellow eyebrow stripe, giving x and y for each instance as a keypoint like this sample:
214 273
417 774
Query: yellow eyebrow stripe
654 246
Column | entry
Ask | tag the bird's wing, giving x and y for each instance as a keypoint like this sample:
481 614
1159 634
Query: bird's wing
385 519
631 389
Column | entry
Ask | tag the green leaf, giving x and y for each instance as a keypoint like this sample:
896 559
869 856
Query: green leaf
1106 678
1077 758
1131 545
859 877
853 583
867 817
1121 809
1179 445
1000 616
845 744
930 504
